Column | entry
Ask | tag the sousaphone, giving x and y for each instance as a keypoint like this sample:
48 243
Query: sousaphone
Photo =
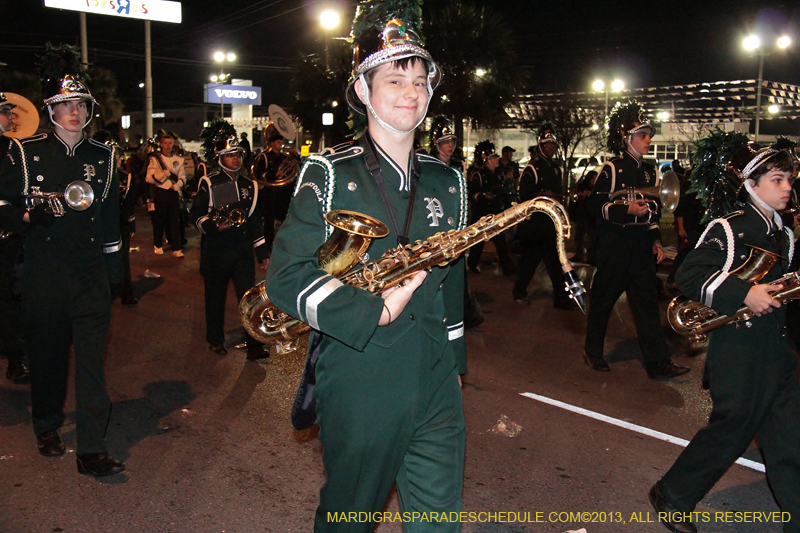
290 166
26 120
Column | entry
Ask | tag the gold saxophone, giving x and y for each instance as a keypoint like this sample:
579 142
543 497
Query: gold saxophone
341 254
695 320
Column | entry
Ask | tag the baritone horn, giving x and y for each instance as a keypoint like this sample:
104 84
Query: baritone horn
668 191
235 217
78 196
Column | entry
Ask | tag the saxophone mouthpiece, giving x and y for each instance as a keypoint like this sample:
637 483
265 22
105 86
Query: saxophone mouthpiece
575 289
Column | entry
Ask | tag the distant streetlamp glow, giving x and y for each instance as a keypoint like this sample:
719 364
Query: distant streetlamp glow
662 116
329 19
480 72
600 86
774 108
219 56
222 58
752 43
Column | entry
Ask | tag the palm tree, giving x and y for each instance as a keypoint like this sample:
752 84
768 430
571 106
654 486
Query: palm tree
103 86
475 49
317 88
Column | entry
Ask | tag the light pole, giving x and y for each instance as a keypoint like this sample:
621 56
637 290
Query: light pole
329 20
600 86
222 58
752 43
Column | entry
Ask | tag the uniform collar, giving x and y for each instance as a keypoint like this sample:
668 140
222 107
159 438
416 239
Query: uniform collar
770 226
627 153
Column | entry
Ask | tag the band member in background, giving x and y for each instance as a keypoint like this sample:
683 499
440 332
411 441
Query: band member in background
394 358
228 243
487 197
442 144
10 247
753 374
537 235
628 237
268 172
73 263
165 171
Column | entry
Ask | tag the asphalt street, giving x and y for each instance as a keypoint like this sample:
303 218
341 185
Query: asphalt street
209 447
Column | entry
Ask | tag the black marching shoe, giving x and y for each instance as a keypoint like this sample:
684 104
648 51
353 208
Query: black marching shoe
50 444
596 363
18 372
665 370
668 514
218 349
99 465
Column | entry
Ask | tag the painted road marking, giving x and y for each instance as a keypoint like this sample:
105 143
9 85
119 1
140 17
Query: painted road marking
633 427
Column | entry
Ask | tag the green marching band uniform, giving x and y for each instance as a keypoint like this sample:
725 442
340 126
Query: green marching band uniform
376 385
753 374
70 269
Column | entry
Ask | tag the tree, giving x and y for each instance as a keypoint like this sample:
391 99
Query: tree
316 88
463 37
103 86
574 126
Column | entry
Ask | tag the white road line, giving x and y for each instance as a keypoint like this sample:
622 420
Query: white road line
633 427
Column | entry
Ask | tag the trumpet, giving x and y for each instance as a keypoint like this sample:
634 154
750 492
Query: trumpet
669 192
78 196
234 218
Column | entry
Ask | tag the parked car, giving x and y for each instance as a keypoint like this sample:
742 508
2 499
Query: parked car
583 164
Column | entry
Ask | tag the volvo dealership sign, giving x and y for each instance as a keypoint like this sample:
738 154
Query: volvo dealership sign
158 10
232 94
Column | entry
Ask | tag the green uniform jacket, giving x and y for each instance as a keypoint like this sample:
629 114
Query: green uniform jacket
347 315
707 275
78 237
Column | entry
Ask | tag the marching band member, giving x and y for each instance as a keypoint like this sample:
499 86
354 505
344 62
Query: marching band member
165 171
393 358
627 239
73 265
228 243
753 374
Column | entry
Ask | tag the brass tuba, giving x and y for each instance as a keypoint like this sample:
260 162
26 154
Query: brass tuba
78 196
694 319
341 254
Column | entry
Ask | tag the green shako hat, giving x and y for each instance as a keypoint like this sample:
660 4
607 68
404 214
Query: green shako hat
626 118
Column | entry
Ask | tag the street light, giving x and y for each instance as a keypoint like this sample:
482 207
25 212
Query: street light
600 86
329 20
222 58
752 43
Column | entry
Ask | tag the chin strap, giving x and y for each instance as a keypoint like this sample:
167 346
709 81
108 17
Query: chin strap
57 125
383 124
631 149
234 170
776 217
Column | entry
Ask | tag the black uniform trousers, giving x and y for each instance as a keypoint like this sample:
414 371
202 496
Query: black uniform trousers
127 287
166 216
537 240
755 392
67 301
401 421
274 208
218 269
500 246
625 264
10 311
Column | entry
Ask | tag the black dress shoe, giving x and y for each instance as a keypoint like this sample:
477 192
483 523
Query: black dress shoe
218 349
665 370
254 353
50 444
568 305
18 372
99 465
596 363
668 514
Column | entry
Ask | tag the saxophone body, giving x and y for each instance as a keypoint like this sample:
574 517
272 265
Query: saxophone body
695 320
270 325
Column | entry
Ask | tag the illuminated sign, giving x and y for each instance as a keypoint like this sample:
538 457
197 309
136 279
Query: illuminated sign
232 94
158 10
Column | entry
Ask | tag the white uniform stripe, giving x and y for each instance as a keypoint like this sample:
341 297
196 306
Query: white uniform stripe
453 334
112 247
633 427
709 299
316 298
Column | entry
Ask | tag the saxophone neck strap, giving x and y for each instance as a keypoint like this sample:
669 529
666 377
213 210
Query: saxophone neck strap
374 168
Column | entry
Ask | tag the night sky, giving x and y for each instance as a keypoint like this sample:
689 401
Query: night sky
563 45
